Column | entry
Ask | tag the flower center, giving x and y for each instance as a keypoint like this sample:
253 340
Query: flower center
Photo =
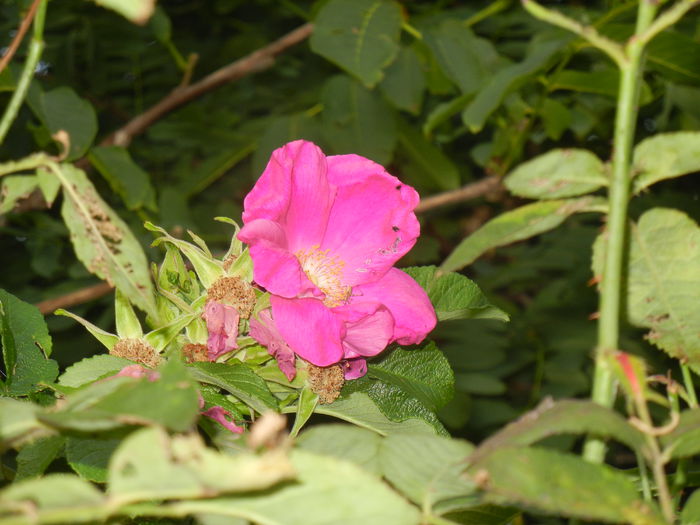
326 273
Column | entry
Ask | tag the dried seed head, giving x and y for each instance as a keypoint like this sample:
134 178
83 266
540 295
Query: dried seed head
326 382
136 350
229 261
195 352
235 292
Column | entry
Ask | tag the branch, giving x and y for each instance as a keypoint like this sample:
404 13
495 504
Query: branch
24 26
470 191
667 19
610 47
71 299
258 60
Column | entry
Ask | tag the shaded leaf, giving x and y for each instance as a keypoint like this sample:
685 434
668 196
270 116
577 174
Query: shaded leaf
124 176
15 188
424 373
26 345
562 417
516 225
427 469
404 81
346 442
684 440
239 380
558 173
429 163
507 79
454 296
35 457
89 457
360 36
359 409
150 465
553 482
691 509
664 282
103 242
62 109
665 156
357 120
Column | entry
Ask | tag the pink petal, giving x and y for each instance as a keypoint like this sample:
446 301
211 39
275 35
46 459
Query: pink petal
369 327
371 226
264 331
293 191
414 315
274 267
354 368
310 329
222 325
351 169
221 416
138 371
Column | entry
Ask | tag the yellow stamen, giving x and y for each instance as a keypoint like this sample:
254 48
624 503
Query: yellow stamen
326 272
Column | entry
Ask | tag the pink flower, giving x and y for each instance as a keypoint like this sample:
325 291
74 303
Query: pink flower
264 331
222 416
324 234
138 371
222 325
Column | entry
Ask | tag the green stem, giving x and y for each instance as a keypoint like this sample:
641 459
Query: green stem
488 11
689 386
603 391
36 46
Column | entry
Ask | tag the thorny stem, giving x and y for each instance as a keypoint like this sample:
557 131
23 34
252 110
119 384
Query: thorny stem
36 46
618 197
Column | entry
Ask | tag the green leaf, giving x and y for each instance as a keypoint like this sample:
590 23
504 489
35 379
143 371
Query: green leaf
124 176
48 184
556 118
340 491
454 296
15 188
17 420
358 445
278 132
89 457
357 120
360 36
664 282
424 373
676 56
103 242
404 82
484 515
138 11
104 337
665 156
150 465
54 499
26 345
604 82
171 400
466 59
691 509
428 162
558 173
62 109
516 225
553 482
208 269
563 417
427 469
239 380
508 79
359 409
306 403
35 457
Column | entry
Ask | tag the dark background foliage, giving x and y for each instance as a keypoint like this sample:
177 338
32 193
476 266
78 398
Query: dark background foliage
451 109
